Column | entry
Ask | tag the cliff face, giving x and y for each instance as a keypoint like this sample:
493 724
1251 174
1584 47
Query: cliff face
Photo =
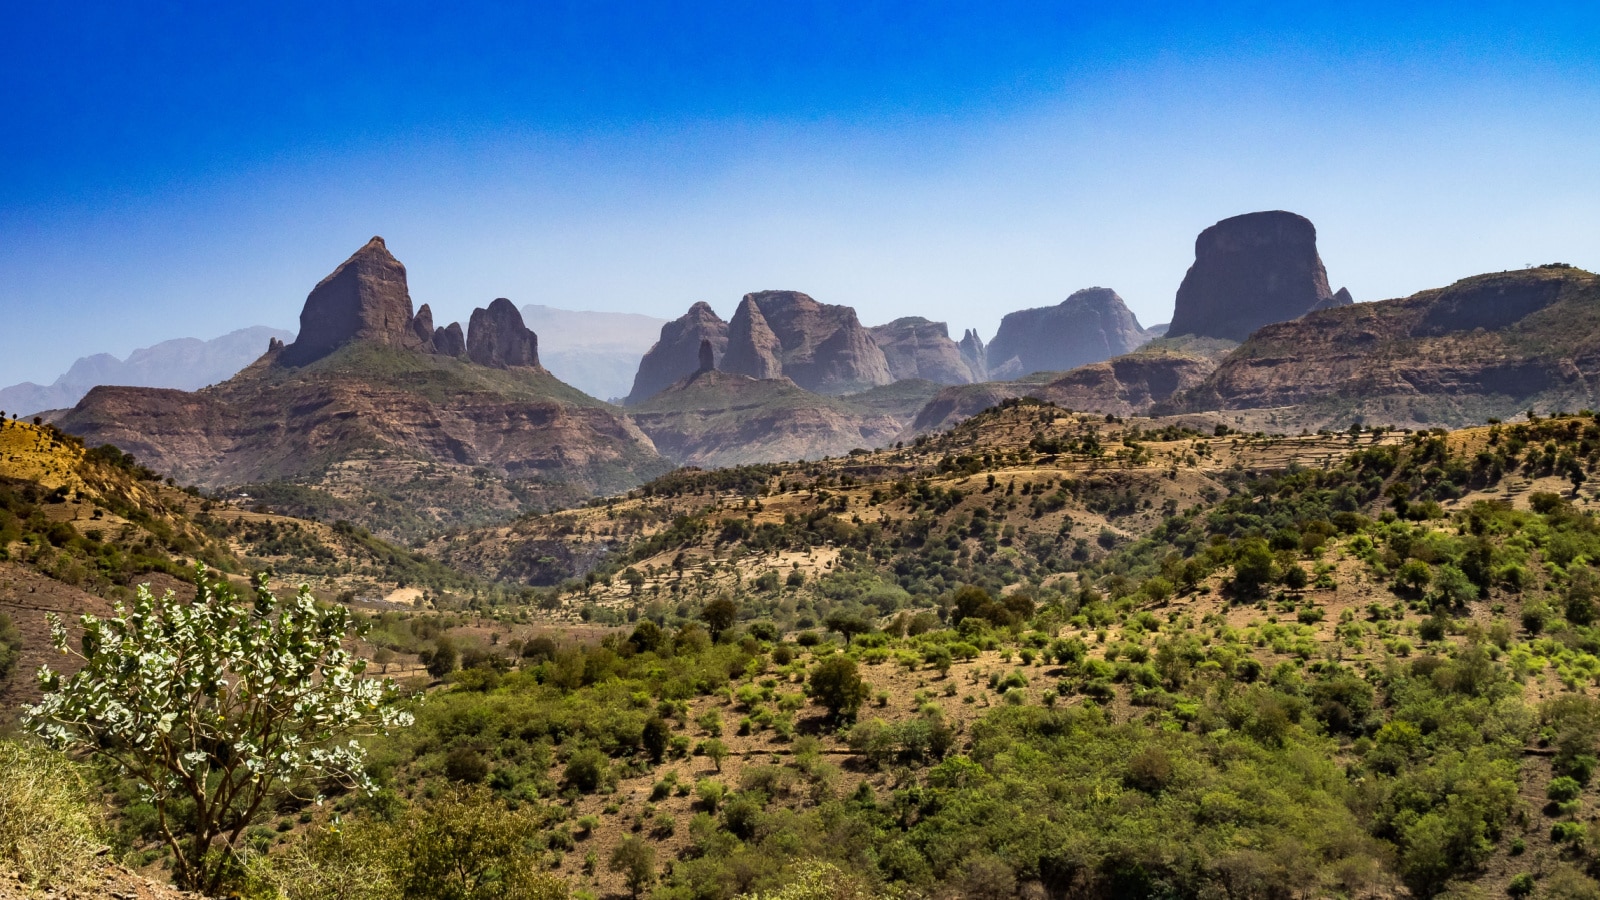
1091 325
1492 345
677 353
1249 271
917 348
714 418
820 347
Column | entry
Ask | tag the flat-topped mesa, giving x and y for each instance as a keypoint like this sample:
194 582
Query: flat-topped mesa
497 337
678 353
1089 326
821 347
364 299
1249 271
918 348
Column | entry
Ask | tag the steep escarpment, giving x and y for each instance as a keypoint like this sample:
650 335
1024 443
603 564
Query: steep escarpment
677 353
1492 345
1091 325
1249 271
918 348
818 346
717 418
1127 385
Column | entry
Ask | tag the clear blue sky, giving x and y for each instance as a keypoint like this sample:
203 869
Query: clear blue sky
186 169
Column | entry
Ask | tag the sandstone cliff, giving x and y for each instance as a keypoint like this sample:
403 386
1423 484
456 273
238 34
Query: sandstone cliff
819 346
677 353
917 348
1249 271
1091 325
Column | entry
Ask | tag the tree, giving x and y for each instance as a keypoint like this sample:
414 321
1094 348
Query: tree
719 615
216 707
1413 576
655 737
847 624
715 750
636 861
444 659
836 684
1252 568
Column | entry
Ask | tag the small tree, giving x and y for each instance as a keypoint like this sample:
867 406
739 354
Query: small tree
220 703
847 624
715 750
636 861
836 684
719 615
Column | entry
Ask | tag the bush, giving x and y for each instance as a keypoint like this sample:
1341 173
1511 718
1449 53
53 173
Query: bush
1563 789
49 818
588 770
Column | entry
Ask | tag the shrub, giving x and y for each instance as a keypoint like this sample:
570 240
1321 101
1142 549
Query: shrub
636 861
49 819
1563 789
588 770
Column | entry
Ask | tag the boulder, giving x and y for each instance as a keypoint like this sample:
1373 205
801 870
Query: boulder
677 352
821 347
1091 325
1249 271
497 338
917 348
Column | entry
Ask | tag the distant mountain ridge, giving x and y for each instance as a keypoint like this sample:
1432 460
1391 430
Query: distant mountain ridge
183 363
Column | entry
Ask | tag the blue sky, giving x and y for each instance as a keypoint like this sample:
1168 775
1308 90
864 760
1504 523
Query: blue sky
186 169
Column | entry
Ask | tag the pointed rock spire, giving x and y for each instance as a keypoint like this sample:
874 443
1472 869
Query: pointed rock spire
708 357
364 299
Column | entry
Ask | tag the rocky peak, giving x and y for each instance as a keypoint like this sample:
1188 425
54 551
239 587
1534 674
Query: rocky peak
819 346
708 357
422 327
918 348
450 341
497 338
678 352
364 299
1249 271
974 355
1091 325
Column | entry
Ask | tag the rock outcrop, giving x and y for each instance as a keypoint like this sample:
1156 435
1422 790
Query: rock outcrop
1127 385
917 348
1490 346
821 347
677 353
450 340
708 357
496 337
975 355
1249 271
364 299
1091 325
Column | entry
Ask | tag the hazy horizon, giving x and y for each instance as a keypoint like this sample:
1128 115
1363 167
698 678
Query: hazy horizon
189 174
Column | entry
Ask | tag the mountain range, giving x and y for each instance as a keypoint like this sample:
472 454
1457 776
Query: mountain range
374 408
